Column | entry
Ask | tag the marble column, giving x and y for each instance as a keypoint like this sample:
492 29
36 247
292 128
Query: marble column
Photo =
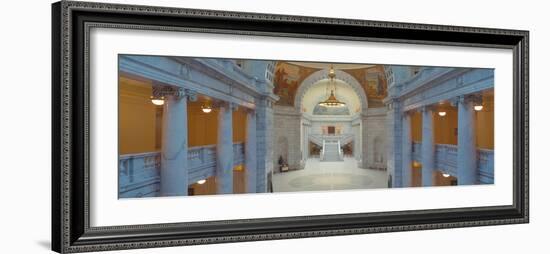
173 173
307 143
428 148
393 145
264 135
355 142
251 162
302 145
358 141
407 151
466 155
224 150
364 143
304 154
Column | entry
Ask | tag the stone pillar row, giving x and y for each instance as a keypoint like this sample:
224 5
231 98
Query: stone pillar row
466 146
466 167
173 173
428 146
224 150
305 143
251 163
407 152
174 159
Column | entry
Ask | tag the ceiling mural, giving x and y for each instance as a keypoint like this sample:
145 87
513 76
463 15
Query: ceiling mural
288 76
287 79
374 83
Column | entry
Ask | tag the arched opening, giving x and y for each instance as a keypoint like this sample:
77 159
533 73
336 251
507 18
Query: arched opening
330 133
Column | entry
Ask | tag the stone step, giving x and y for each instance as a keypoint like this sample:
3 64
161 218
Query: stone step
332 152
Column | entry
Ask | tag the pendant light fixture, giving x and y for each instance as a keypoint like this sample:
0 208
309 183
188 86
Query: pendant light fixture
331 101
207 107
157 100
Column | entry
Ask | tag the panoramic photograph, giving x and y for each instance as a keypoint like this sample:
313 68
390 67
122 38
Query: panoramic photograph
192 126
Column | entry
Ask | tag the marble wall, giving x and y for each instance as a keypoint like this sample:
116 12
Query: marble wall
286 136
375 139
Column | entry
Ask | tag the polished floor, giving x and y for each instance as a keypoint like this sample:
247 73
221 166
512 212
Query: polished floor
321 176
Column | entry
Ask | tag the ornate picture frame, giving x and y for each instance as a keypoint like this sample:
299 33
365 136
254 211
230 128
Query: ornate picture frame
71 197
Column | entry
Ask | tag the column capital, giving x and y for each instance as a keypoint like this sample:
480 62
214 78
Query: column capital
191 95
226 104
390 101
265 101
232 106
427 108
466 98
251 111
392 104
176 92
407 113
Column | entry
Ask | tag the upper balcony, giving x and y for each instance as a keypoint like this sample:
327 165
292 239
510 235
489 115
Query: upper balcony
139 174
446 161
433 85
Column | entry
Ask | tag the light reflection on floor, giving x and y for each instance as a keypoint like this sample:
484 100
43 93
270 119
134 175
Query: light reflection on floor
320 176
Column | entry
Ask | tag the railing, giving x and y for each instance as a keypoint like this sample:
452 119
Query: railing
416 151
446 160
322 152
343 138
485 165
316 139
139 174
340 152
201 162
238 153
347 138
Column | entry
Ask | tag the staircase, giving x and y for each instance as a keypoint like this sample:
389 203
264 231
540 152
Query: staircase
343 138
331 152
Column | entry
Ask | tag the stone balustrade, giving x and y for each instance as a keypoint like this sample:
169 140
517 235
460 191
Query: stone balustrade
139 174
485 165
342 138
446 161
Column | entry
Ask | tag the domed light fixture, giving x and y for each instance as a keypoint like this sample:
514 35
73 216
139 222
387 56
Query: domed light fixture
331 101
442 113
478 107
157 100
446 175
207 107
202 181
478 102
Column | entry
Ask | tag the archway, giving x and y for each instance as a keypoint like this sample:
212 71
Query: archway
350 126
314 78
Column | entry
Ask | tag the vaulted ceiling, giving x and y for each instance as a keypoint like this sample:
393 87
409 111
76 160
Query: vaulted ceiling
289 76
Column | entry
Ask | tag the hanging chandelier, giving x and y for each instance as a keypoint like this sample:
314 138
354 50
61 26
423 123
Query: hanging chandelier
331 101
